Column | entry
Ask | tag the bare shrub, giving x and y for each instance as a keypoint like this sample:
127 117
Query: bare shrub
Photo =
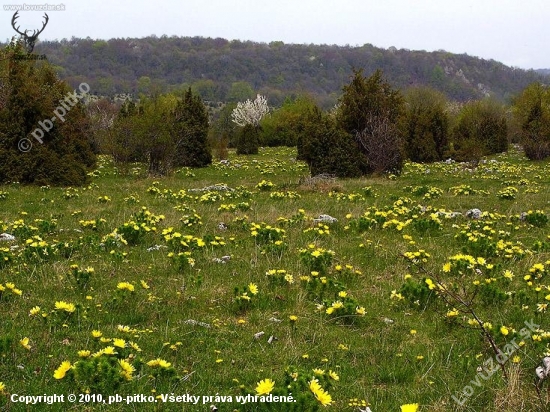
382 144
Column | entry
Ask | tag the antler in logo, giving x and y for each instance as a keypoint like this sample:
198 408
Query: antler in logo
29 39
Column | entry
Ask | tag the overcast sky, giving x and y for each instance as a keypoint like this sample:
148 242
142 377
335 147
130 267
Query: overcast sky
515 32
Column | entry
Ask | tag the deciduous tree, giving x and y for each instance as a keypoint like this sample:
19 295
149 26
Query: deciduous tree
143 133
425 125
283 126
369 110
251 111
481 130
248 115
532 112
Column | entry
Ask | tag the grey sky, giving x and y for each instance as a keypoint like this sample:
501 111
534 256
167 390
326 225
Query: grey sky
511 31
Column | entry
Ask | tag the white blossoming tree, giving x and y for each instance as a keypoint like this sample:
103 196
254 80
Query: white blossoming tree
248 115
250 112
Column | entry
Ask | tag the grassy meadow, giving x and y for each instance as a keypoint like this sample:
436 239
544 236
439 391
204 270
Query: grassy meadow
132 285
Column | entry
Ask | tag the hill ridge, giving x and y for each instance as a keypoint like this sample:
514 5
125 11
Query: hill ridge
224 70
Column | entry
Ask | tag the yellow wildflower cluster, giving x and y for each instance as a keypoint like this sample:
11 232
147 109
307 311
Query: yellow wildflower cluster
125 286
160 363
280 275
320 394
10 286
65 306
62 370
420 256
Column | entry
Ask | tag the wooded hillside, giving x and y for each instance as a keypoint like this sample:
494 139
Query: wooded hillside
222 70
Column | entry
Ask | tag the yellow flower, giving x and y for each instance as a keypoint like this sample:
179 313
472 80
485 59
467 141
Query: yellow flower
504 330
67 307
127 369
62 370
314 385
360 310
25 343
430 283
125 286
323 397
395 295
2 387
333 375
159 362
447 267
410 407
84 353
320 394
119 343
452 313
508 274
265 386
289 278
253 288
109 350
98 353
293 318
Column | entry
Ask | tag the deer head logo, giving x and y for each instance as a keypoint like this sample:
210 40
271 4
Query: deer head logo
29 39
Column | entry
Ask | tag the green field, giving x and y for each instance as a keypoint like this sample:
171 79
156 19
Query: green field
379 306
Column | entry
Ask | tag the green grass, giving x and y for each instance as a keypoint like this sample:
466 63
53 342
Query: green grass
376 356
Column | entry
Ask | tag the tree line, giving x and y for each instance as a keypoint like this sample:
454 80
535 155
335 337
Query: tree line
373 128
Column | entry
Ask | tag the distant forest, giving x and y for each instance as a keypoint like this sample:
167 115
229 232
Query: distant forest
224 71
